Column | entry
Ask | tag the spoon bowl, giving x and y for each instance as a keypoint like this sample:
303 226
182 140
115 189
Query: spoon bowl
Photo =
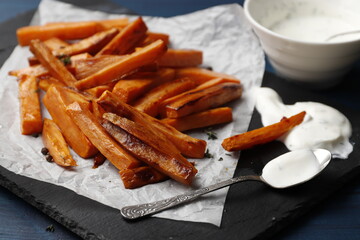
288 162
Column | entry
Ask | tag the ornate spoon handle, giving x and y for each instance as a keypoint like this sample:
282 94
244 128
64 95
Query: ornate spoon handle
140 210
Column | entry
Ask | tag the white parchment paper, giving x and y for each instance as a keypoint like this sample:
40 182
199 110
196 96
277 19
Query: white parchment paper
229 46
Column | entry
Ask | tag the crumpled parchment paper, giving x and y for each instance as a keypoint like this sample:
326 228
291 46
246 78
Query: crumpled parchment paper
229 46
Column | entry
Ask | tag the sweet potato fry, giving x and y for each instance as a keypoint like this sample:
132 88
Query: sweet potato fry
178 169
145 133
188 146
35 71
203 99
97 91
181 58
153 36
210 83
124 66
30 110
130 89
54 65
86 67
127 39
90 126
99 160
141 176
56 100
91 45
54 141
201 119
46 82
262 135
65 31
151 101
201 75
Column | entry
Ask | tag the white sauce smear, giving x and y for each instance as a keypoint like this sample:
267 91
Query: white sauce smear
291 168
323 126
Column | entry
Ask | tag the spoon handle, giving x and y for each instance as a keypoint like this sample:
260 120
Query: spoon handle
141 210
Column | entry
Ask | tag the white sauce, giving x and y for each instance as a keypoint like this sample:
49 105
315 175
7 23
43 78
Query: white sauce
291 168
314 28
323 126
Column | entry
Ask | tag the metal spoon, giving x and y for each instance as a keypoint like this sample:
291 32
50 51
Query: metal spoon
322 156
342 34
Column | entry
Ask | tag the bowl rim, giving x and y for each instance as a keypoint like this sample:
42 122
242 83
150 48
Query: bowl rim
268 31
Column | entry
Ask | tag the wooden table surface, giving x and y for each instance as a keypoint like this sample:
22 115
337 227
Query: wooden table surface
336 218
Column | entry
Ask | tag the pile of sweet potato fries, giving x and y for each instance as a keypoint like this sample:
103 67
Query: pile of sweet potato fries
115 91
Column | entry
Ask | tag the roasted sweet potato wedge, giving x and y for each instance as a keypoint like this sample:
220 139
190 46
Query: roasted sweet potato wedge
188 146
124 66
67 30
46 82
154 36
130 89
54 65
54 141
151 101
262 135
92 44
98 136
30 109
210 83
35 71
127 39
202 119
141 176
201 75
86 67
181 58
56 100
178 169
203 99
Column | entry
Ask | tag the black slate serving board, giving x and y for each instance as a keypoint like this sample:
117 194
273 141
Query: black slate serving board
252 210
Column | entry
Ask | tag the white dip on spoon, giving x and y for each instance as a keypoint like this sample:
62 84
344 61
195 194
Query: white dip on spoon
323 126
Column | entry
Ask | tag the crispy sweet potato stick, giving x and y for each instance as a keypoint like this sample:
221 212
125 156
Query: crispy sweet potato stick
141 176
151 101
30 110
46 82
124 66
153 36
56 100
201 119
54 141
99 160
177 169
35 71
210 83
67 30
181 58
201 75
127 39
145 133
130 89
188 146
91 45
262 135
203 99
54 65
90 126
85 67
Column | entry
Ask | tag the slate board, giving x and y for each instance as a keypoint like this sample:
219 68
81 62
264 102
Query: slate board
252 210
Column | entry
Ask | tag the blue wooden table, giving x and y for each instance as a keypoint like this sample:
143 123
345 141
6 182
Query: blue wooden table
336 218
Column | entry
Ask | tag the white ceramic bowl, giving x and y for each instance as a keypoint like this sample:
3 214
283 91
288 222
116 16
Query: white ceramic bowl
292 34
